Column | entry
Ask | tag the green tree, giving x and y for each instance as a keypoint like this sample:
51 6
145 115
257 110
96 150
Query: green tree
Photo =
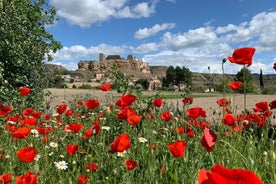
178 76
25 45
144 83
261 80
244 75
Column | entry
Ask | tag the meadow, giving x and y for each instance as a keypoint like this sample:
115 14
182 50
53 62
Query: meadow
131 138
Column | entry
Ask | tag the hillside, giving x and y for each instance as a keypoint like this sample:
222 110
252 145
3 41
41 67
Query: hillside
199 80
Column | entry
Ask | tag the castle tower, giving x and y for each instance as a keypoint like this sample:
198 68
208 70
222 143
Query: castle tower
101 57
130 58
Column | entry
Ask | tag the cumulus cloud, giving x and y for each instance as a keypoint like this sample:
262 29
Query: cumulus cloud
192 38
88 12
147 32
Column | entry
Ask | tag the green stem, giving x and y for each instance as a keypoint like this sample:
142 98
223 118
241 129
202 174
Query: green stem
243 157
244 89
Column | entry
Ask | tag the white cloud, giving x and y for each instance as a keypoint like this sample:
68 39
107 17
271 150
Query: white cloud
88 12
192 38
147 32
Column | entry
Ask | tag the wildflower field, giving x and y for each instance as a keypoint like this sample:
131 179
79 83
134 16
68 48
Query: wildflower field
137 139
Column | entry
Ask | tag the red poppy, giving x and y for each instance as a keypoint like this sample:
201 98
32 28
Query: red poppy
229 119
274 66
28 178
261 107
196 112
5 178
47 116
208 139
44 130
82 179
4 110
235 85
73 127
72 149
157 102
125 112
121 143
69 112
189 132
223 102
242 56
187 100
179 130
91 166
21 133
61 108
166 116
91 104
177 148
24 91
272 104
134 119
130 164
31 121
126 100
220 174
27 154
105 87
93 130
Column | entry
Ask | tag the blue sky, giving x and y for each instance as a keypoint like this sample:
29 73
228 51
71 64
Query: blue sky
191 33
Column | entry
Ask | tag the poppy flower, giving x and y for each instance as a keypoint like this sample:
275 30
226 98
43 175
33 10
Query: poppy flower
5 178
44 130
235 85
187 100
105 87
93 130
21 133
130 164
24 91
121 143
229 119
177 148
157 102
61 108
242 56
196 112
91 166
4 110
272 104
31 121
126 100
91 104
208 139
72 149
166 116
222 102
274 66
220 174
134 119
69 112
82 179
125 112
261 107
73 127
29 178
27 154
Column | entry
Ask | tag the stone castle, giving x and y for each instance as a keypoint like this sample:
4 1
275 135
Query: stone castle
105 63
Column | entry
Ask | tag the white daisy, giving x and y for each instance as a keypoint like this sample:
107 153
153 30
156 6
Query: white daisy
142 139
121 154
37 157
61 165
105 128
53 144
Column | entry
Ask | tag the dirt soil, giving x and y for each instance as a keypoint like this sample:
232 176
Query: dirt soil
207 103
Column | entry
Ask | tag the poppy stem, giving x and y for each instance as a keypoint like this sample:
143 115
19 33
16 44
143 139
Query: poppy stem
230 146
244 89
